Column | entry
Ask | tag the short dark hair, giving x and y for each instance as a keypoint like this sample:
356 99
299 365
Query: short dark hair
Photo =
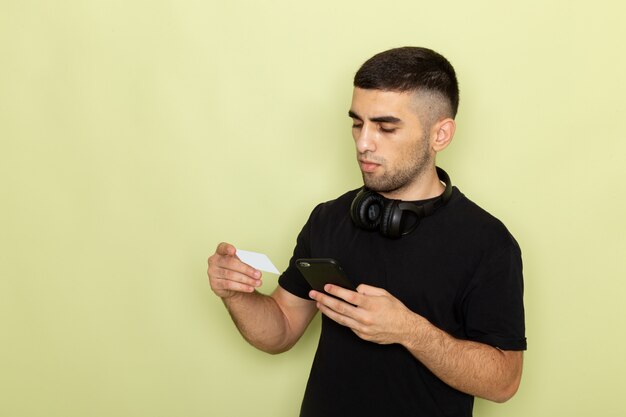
410 69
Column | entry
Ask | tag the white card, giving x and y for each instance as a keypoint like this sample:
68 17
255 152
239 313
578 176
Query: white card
257 260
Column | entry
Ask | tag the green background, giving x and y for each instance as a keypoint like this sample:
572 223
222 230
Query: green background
136 135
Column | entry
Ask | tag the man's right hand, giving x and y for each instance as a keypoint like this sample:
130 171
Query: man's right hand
228 275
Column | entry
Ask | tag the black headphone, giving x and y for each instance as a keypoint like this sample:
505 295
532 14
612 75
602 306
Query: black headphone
370 210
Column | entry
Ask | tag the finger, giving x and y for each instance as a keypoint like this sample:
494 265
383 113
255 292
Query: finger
242 275
369 290
233 263
352 297
335 304
336 316
225 284
226 249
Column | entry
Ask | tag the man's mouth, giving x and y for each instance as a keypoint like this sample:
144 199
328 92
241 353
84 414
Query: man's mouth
368 166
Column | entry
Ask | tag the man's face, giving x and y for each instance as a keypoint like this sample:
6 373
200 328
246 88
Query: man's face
392 145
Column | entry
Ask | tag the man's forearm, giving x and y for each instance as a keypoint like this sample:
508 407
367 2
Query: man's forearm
260 321
467 366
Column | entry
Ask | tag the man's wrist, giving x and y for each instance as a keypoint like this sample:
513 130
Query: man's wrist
414 333
235 297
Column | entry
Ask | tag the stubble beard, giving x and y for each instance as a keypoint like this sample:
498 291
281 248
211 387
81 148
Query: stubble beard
406 173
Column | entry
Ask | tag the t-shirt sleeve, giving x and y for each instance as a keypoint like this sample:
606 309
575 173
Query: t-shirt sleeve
493 305
292 280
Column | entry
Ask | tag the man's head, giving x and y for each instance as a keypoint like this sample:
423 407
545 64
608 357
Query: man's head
403 110
413 69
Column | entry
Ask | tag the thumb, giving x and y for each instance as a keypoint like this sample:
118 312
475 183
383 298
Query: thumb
226 249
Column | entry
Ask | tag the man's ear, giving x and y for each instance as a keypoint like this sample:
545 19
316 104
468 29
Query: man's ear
442 134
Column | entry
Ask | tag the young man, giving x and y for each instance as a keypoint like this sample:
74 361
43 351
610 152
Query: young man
437 317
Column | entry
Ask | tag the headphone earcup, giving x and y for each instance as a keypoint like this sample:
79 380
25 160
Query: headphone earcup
366 209
370 210
391 220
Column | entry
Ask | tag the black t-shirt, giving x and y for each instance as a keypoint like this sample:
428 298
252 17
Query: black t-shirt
461 269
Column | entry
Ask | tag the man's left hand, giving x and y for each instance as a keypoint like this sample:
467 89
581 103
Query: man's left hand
372 313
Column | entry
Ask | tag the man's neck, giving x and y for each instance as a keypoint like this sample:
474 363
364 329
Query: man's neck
426 185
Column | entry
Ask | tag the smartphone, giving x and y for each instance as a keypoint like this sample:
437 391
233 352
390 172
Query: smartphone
321 271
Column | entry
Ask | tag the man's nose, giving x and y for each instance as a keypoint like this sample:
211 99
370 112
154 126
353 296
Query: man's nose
366 139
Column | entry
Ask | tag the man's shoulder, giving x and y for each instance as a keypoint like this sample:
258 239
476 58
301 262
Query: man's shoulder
470 217
338 205
468 207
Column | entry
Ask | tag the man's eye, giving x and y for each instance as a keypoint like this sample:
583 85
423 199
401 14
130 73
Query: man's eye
387 129
356 126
